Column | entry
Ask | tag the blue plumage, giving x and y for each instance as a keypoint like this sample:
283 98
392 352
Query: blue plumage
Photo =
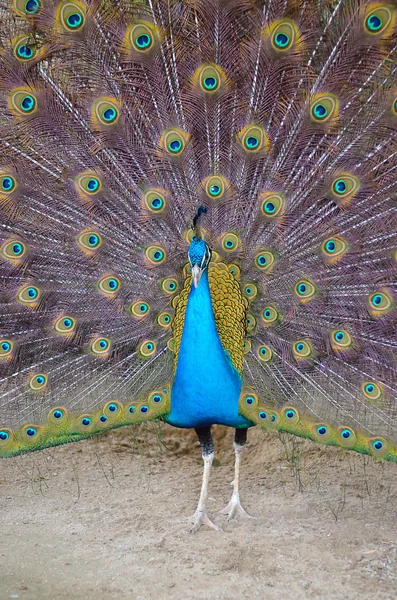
206 387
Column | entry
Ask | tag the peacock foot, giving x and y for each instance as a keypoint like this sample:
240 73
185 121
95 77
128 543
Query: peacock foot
200 518
234 508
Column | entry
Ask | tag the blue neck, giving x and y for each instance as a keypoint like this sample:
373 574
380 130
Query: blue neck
206 386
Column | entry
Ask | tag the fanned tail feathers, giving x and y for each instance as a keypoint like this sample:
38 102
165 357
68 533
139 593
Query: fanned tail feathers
117 121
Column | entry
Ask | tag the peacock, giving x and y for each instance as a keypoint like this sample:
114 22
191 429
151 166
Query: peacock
198 207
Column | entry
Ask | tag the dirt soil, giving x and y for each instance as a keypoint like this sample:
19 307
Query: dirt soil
108 518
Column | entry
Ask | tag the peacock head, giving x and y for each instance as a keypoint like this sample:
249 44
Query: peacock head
199 255
199 252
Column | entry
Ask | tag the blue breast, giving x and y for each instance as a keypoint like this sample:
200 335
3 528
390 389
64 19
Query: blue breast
206 386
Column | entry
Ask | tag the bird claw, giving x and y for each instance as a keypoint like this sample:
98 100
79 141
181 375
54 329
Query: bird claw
234 508
200 518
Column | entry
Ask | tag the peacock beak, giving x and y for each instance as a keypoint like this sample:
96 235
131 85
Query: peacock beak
196 274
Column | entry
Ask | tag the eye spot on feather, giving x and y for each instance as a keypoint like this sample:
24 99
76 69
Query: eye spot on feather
6 348
139 309
24 48
154 200
269 316
65 325
346 436
22 102
254 139
25 8
333 249
323 108
88 183
5 437
13 250
71 16
100 346
302 349
341 339
283 35
250 323
378 446
371 390
380 20
148 348
247 347
290 415
380 303
155 255
230 242
57 415
169 285
215 186
164 319
173 141
141 37
38 382
272 205
109 285
89 241
234 270
344 188
305 291
209 78
8 184
250 291
264 353
105 111
29 295
394 105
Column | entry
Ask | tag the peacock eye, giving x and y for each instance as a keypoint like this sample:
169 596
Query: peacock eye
22 102
141 37
230 242
32 7
264 353
254 139
88 183
100 345
305 290
6 347
28 294
302 349
72 16
65 325
272 205
155 255
13 250
7 183
89 241
250 291
380 303
269 315
38 382
169 285
324 107
284 35
333 249
148 348
109 285
380 21
173 141
139 309
105 111
24 49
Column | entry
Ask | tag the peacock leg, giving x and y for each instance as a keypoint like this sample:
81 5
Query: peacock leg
234 507
201 517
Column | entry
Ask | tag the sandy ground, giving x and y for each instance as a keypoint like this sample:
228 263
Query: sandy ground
108 518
